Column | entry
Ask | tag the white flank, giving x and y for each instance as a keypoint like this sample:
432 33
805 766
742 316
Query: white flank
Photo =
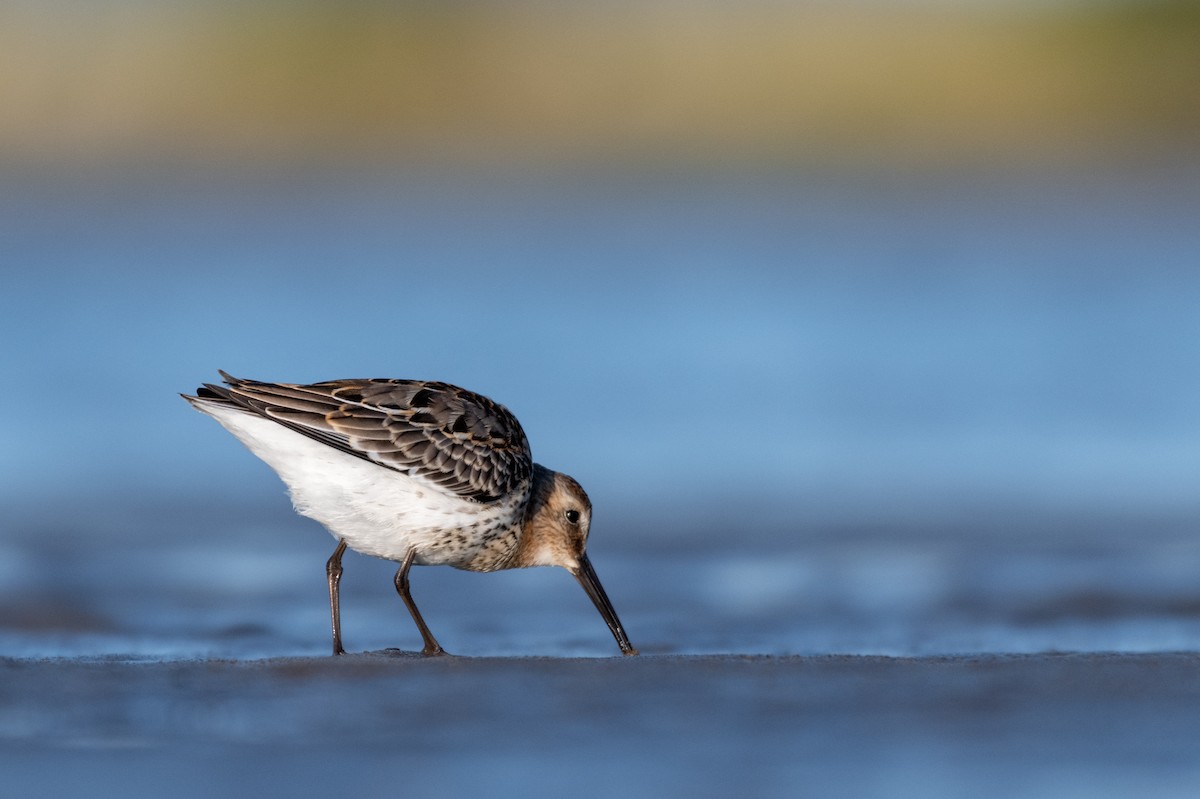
378 511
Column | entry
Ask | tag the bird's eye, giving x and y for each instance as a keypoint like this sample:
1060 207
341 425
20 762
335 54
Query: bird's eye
573 516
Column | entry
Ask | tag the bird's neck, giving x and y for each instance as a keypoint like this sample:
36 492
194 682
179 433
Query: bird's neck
519 546
533 537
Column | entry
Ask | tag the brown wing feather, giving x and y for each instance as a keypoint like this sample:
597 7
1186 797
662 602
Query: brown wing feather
462 441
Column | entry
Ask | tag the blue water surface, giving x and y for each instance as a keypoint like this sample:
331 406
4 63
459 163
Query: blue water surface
902 414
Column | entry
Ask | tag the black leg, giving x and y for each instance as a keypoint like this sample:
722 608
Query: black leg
432 647
333 571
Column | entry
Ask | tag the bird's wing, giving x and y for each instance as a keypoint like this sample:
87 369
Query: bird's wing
463 442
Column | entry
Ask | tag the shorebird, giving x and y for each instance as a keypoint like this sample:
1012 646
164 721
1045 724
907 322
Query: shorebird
416 472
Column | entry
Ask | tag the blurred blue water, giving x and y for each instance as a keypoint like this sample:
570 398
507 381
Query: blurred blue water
902 416
264 596
805 346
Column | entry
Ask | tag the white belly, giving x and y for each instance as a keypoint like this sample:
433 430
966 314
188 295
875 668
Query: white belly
378 511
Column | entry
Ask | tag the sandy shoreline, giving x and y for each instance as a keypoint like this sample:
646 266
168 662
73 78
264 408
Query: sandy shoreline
1042 725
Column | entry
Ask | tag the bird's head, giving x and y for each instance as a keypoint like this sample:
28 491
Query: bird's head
557 521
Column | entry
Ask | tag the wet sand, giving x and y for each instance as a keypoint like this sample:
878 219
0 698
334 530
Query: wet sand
390 722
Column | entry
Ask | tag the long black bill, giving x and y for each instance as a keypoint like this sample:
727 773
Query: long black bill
586 576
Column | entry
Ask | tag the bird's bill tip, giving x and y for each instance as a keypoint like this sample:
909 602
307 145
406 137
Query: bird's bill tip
587 578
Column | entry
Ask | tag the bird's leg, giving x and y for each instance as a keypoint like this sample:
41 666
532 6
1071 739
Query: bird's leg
333 572
432 647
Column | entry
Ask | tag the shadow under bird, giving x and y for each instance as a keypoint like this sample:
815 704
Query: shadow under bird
416 472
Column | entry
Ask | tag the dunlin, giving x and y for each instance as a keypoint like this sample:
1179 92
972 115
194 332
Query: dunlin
415 472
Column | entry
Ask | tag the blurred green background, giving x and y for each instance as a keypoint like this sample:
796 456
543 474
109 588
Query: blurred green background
832 85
